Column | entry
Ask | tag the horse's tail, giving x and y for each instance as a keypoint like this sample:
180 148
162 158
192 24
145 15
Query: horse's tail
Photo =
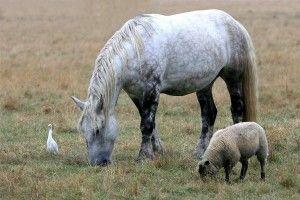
249 84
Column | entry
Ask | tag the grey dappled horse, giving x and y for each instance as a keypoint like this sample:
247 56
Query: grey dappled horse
175 55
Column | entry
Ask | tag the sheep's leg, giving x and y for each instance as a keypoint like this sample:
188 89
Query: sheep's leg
244 169
234 86
208 115
228 169
148 109
262 162
157 144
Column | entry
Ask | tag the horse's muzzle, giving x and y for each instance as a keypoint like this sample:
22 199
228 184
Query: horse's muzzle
100 162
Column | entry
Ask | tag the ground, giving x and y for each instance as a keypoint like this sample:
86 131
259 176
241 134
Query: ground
47 50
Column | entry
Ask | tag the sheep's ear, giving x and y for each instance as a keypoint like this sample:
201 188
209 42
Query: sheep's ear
79 104
200 168
207 162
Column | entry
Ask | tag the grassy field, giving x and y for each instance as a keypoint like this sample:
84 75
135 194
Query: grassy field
47 51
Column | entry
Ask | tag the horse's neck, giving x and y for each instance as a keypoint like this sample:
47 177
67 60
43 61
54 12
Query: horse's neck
116 94
118 70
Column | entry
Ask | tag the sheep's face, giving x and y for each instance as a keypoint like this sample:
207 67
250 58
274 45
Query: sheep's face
206 168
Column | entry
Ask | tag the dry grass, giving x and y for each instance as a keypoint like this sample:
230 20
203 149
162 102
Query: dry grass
10 103
47 50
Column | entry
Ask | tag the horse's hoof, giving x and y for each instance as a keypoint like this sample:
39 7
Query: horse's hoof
146 151
143 156
198 153
158 146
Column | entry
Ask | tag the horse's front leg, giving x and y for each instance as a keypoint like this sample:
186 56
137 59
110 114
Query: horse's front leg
157 144
147 108
208 115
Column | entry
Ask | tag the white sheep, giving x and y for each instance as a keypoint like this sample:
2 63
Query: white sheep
235 143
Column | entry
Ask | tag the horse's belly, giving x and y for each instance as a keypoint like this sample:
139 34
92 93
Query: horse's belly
185 82
194 54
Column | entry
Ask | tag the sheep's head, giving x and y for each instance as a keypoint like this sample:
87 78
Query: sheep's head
206 168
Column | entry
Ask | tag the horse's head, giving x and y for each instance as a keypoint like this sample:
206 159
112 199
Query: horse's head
98 128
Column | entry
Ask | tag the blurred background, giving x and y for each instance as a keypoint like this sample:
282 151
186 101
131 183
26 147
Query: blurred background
48 47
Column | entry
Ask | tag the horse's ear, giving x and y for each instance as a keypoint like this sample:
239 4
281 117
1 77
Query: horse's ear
79 104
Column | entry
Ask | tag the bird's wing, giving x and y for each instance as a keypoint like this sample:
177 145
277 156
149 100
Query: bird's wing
52 146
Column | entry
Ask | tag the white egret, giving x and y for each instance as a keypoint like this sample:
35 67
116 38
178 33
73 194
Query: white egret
52 146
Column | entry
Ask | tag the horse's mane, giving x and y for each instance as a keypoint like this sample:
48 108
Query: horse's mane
102 83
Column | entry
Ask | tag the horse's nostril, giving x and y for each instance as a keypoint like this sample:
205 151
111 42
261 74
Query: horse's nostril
105 162
99 159
100 162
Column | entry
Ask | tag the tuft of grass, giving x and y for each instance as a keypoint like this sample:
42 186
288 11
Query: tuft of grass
289 181
10 103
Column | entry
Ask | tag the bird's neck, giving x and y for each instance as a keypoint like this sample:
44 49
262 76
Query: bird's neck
50 133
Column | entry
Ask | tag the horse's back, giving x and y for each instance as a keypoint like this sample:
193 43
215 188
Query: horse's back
192 26
190 48
196 48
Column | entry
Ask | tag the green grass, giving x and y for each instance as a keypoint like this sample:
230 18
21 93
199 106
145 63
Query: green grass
27 170
47 49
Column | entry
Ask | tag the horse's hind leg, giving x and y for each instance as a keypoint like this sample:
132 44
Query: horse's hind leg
234 85
157 144
208 115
